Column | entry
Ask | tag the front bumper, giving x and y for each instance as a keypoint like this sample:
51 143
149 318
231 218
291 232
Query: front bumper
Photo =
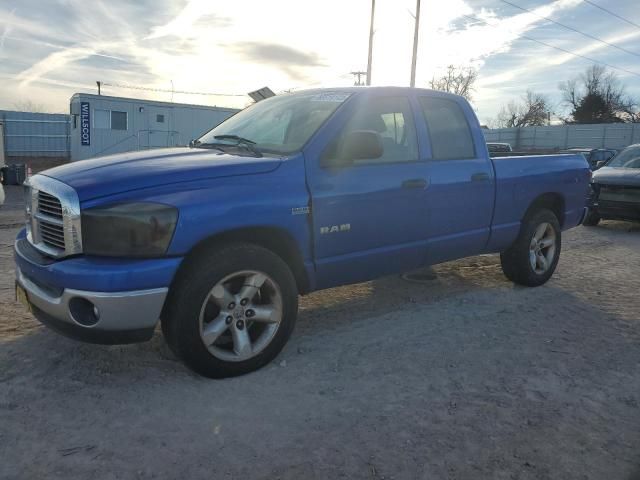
128 294
119 317
617 210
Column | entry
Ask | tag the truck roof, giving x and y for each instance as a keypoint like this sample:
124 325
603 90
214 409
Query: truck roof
382 89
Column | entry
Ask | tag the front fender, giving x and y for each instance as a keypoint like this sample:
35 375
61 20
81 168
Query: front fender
266 200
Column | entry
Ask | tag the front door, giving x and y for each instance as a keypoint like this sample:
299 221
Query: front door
369 217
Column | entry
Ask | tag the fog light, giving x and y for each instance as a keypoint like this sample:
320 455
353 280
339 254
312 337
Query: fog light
83 311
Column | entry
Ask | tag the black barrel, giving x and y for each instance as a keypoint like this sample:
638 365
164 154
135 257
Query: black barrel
15 174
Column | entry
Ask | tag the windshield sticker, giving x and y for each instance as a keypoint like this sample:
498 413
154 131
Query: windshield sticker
335 97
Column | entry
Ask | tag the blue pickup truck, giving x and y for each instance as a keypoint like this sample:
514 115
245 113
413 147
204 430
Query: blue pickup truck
296 193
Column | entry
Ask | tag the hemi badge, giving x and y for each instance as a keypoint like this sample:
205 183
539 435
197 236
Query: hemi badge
301 211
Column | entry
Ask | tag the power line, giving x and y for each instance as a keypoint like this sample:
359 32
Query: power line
560 48
358 78
571 28
164 90
612 13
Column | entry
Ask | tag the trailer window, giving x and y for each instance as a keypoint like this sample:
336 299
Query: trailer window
102 118
110 119
118 120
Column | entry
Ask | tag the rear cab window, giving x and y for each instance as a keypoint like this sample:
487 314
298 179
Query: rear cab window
449 130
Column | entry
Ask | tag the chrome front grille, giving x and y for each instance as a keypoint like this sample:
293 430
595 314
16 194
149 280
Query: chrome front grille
53 217
50 221
49 205
52 235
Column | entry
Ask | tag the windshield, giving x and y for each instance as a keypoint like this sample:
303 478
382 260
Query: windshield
280 124
628 158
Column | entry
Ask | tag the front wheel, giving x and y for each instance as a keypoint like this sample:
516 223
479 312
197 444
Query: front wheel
533 258
231 310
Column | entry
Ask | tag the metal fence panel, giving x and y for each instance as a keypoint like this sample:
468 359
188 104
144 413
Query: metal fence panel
28 134
558 137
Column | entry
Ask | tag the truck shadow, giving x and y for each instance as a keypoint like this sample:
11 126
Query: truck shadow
38 352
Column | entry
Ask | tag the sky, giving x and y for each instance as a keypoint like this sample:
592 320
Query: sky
50 49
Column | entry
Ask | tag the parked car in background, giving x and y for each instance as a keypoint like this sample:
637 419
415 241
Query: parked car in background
616 188
299 192
494 147
593 155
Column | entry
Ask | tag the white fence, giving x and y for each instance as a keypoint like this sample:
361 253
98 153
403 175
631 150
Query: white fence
604 135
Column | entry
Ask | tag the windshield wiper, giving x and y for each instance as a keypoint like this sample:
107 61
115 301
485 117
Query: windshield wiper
199 144
241 141
235 137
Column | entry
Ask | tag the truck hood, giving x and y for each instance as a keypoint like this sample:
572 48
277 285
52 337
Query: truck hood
617 176
124 172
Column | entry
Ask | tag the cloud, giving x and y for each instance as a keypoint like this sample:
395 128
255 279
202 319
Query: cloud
289 59
58 60
235 47
7 30
196 12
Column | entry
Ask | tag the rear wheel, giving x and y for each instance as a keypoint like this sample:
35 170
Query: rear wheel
231 311
533 257
592 219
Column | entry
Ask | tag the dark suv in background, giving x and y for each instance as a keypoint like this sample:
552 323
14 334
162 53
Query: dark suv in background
616 188
593 155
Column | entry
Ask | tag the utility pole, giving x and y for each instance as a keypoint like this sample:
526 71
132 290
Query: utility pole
358 82
415 44
373 8
99 83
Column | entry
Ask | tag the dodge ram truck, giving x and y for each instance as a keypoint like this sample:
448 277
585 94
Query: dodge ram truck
297 193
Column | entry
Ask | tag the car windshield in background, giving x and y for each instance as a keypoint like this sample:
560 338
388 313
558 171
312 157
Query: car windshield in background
280 124
628 158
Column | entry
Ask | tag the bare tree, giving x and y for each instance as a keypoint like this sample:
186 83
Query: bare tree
533 109
29 106
458 80
598 96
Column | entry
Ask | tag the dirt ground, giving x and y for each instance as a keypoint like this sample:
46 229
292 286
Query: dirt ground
462 377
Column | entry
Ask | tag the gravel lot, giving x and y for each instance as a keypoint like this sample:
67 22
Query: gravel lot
462 377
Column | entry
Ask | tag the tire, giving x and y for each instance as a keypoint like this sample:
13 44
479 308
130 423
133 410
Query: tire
592 219
518 262
204 331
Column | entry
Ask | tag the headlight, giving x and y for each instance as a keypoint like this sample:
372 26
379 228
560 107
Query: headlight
128 229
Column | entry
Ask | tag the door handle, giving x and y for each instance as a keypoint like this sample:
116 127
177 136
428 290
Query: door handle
415 183
480 177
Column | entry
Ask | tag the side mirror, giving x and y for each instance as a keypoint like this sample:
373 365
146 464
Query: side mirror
356 145
601 163
361 145
192 143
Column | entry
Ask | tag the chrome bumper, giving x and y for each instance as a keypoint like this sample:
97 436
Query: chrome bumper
116 311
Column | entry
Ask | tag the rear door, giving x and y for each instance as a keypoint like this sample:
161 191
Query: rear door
369 217
460 196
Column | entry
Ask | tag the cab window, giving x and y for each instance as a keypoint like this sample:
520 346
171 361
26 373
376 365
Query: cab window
449 130
392 119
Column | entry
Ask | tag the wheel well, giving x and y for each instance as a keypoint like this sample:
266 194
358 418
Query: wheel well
551 201
274 239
